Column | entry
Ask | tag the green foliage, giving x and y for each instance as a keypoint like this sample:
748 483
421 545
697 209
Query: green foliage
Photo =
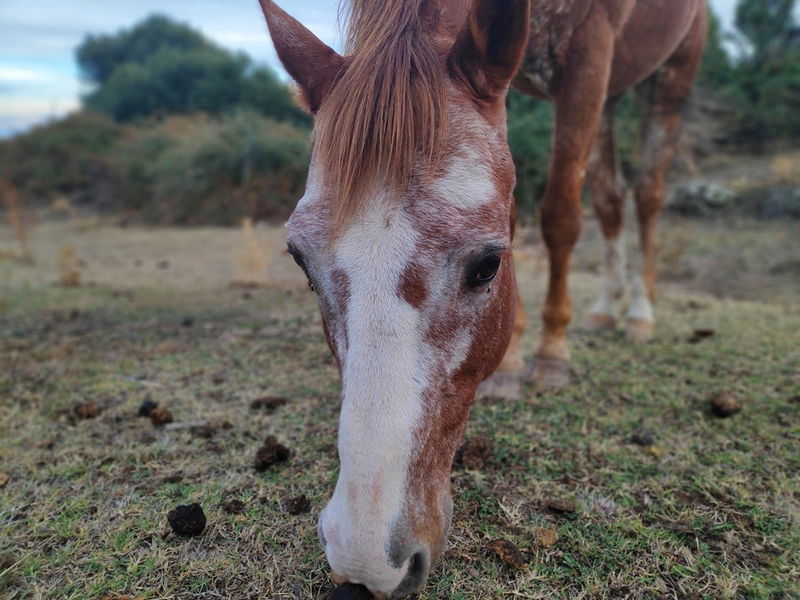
161 67
100 55
63 157
760 87
224 170
530 127
183 170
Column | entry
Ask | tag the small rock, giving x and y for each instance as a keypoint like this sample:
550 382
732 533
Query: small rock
507 552
87 410
297 505
350 591
162 264
270 453
561 505
268 403
160 416
234 506
146 407
475 453
725 405
4 479
188 520
545 536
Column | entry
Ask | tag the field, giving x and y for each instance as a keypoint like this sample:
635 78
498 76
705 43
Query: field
668 500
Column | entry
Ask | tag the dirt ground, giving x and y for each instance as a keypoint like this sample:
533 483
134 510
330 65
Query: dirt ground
654 495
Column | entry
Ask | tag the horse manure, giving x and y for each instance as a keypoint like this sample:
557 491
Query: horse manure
561 505
4 479
545 537
87 410
724 405
475 453
270 453
234 506
700 335
188 520
187 322
297 505
269 404
160 416
643 437
507 552
350 591
146 407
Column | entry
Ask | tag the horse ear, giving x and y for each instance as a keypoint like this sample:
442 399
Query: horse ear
490 46
313 65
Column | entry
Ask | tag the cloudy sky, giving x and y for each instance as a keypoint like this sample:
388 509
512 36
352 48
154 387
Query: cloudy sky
38 76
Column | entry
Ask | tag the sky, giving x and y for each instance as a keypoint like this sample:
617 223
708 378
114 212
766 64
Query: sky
39 79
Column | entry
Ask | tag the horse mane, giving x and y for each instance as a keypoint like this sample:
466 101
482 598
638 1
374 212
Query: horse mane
388 106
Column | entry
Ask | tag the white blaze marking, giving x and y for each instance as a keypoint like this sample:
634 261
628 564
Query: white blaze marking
468 183
382 383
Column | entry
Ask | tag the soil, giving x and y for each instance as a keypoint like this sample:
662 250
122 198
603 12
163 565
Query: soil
269 404
271 453
187 520
234 506
475 453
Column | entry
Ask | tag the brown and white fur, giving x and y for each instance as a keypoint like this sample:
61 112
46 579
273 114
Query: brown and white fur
406 226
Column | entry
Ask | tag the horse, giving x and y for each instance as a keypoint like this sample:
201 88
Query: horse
406 225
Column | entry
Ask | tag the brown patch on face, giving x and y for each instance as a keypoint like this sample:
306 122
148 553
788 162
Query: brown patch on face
413 288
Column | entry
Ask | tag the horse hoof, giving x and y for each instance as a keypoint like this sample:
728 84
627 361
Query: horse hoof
601 322
639 331
549 373
506 386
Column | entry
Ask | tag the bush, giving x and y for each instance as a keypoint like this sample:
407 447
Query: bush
240 165
68 157
182 170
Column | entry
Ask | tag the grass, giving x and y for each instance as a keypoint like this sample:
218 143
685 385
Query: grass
712 510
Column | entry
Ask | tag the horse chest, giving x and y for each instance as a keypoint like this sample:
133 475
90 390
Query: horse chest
552 25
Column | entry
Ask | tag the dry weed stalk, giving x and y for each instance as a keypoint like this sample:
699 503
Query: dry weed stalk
252 261
70 275
16 217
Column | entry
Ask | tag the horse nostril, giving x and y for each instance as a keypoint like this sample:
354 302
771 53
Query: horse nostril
418 566
350 591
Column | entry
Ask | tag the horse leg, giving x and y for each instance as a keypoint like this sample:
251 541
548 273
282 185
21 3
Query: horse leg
665 95
579 104
506 382
607 187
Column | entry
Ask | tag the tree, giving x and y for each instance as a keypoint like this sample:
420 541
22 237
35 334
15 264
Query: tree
768 26
160 67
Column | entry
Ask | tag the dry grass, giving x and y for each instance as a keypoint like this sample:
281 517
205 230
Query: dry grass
710 510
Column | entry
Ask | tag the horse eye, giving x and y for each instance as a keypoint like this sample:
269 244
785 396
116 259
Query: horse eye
483 271
298 258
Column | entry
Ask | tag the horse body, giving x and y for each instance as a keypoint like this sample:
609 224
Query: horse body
406 226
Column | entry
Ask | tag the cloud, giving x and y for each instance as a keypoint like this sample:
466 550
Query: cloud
16 75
